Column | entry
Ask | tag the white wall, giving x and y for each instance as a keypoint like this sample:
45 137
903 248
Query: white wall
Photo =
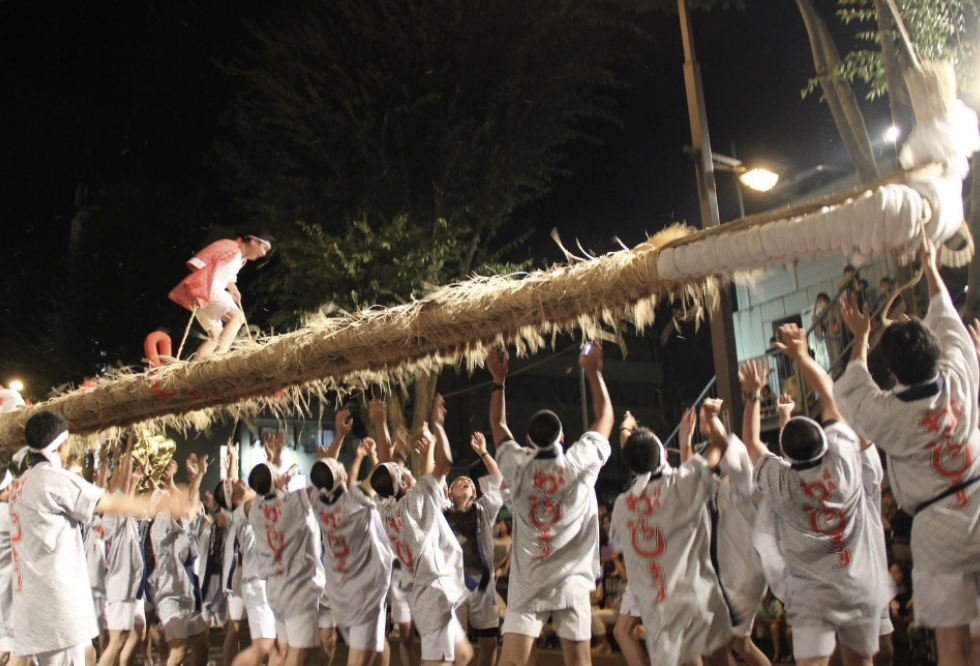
783 292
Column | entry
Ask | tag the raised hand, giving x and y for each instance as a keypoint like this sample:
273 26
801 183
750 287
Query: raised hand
478 443
785 408
792 341
497 364
752 376
688 421
342 424
857 319
377 410
629 422
711 407
438 415
591 358
401 445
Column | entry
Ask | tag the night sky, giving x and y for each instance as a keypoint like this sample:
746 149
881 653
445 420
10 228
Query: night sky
89 89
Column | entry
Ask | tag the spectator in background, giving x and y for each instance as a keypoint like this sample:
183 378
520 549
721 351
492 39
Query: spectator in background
827 328
606 602
771 622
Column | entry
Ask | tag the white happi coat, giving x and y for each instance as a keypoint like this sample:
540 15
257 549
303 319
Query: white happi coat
820 529
288 546
739 567
555 556
932 444
663 528
356 554
421 539
176 591
6 569
52 608
124 558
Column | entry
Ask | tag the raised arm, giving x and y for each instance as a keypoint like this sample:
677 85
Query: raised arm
342 426
442 454
927 255
425 447
366 449
497 363
685 439
784 409
793 343
591 362
378 415
196 469
858 320
753 378
125 468
232 471
479 444
717 435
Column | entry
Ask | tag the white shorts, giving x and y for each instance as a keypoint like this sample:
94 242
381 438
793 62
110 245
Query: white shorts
121 615
7 644
221 303
440 645
261 622
628 604
574 624
98 599
818 641
945 600
299 631
479 609
236 608
368 637
885 625
398 601
183 625
73 656
325 618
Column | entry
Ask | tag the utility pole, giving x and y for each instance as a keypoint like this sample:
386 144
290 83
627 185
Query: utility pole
720 319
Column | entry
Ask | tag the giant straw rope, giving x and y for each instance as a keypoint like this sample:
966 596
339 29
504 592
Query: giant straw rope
459 324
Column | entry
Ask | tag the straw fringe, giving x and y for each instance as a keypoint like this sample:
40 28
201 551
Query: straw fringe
455 325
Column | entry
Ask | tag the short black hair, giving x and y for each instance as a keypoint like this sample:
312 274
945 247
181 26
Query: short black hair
911 351
824 296
43 427
801 439
544 428
641 453
887 279
381 482
320 476
851 268
219 495
260 479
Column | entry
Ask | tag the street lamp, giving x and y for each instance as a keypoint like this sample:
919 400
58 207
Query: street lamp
16 385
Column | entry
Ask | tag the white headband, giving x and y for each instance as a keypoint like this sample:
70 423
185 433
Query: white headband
229 487
8 478
47 451
823 441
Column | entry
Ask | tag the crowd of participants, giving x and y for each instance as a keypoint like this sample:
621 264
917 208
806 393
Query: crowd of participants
683 567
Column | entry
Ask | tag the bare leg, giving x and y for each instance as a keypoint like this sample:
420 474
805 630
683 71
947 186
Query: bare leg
328 642
199 648
255 653
629 644
488 651
90 655
748 650
406 644
296 656
208 346
178 650
813 661
463 652
110 655
229 648
576 653
516 649
133 640
953 644
886 651
230 331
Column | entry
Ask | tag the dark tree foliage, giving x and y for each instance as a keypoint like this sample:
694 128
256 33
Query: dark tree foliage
130 252
387 142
